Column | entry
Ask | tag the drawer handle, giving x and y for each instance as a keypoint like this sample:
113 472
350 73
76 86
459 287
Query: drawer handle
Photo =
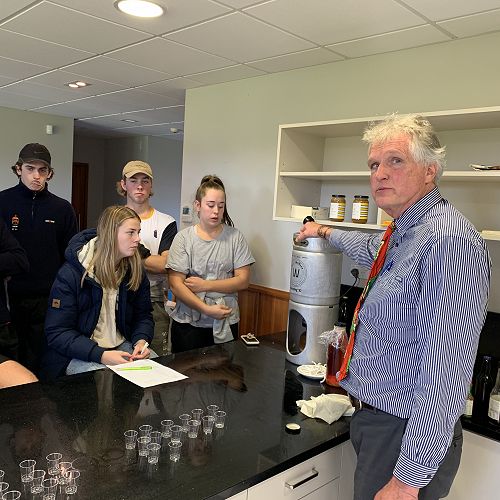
304 479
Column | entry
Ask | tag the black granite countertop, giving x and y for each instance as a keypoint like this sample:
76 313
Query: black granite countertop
84 417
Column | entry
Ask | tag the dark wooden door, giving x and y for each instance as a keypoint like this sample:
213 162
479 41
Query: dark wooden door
79 192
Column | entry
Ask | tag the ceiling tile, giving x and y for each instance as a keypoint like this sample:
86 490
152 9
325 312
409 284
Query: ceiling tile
16 70
74 29
32 50
239 38
389 42
473 25
170 57
446 9
179 13
237 72
59 79
9 7
171 114
310 57
76 109
114 71
175 87
239 4
129 100
325 22
11 99
160 129
51 94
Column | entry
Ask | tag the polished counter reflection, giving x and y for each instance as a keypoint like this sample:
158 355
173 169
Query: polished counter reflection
84 417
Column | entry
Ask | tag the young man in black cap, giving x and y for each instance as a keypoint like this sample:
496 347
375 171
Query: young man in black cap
43 224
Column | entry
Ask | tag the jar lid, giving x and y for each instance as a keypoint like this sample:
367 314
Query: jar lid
338 195
292 428
360 196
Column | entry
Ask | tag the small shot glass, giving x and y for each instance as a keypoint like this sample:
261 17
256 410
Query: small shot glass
207 421
73 479
3 487
176 433
175 451
166 425
130 439
2 474
184 418
142 444
193 427
64 468
49 488
155 437
26 468
197 413
38 477
53 460
211 409
11 495
145 430
220 417
153 452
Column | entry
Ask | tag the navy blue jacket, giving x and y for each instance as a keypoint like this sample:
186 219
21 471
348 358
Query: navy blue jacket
13 260
43 224
73 312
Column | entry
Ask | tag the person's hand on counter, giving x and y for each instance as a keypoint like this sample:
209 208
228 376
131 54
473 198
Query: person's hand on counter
397 490
113 357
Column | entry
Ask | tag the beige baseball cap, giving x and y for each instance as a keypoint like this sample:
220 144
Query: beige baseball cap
137 167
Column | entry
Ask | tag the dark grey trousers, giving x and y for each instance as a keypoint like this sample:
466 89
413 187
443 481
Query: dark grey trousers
376 437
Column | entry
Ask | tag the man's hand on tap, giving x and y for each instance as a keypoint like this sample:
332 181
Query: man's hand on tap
308 230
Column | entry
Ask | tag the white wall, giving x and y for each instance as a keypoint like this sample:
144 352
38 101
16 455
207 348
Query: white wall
106 159
165 158
22 127
231 129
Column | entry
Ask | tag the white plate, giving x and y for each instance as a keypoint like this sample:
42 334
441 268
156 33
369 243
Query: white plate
315 372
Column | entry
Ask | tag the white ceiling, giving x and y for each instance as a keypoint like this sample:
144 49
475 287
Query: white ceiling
139 69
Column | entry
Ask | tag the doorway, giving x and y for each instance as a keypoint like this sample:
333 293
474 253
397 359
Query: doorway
79 192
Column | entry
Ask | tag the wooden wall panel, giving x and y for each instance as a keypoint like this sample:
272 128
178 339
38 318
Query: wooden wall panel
263 310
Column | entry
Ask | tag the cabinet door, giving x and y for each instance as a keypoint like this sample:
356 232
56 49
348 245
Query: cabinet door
327 492
301 480
239 496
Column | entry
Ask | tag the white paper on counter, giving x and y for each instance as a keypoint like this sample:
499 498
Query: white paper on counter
158 374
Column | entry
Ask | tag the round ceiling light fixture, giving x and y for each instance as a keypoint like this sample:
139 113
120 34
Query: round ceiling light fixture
139 8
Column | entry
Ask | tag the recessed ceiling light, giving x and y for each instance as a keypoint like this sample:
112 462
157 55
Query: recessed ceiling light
78 84
139 8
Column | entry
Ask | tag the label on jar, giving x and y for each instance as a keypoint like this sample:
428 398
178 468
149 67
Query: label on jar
494 408
337 210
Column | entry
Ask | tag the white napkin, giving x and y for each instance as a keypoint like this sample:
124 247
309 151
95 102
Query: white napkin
327 407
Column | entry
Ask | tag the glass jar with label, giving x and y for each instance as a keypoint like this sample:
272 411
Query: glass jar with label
360 209
337 208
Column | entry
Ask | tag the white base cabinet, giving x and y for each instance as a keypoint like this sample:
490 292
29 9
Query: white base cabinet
477 477
327 476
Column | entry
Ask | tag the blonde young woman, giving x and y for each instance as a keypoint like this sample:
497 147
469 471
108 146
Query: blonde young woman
208 264
99 306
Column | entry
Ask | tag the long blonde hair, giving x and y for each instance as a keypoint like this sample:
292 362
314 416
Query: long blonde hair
109 269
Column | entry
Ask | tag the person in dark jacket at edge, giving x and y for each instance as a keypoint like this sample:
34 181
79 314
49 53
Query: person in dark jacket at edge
100 309
13 260
43 224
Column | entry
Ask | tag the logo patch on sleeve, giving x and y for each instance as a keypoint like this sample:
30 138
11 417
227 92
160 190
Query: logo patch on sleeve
56 303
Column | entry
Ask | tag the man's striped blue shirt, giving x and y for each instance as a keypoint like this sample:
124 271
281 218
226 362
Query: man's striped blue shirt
419 327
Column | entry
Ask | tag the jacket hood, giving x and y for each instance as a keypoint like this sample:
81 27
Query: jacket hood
76 244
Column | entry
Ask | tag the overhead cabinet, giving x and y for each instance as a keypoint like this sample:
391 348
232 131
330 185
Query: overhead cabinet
316 160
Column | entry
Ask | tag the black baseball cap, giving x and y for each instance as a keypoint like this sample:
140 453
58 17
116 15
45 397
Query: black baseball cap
34 151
